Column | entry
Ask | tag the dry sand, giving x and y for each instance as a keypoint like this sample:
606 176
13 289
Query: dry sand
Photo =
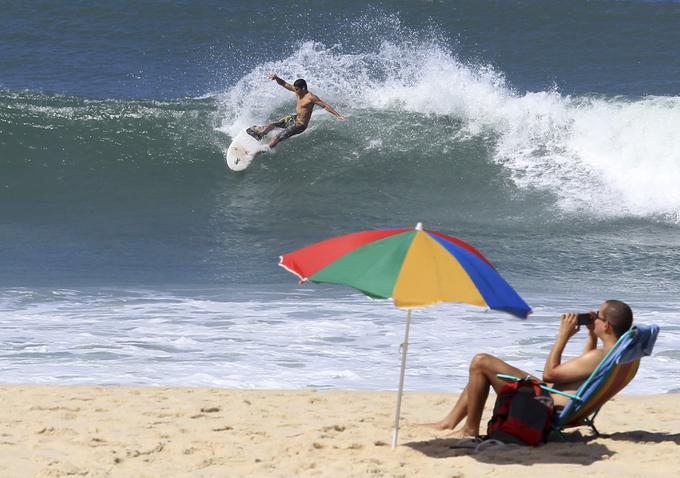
52 431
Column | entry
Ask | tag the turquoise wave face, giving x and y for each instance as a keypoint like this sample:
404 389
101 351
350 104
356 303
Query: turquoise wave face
137 192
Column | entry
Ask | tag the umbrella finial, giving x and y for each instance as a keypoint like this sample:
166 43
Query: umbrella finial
419 226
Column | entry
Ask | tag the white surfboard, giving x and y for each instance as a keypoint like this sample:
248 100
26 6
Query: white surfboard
242 151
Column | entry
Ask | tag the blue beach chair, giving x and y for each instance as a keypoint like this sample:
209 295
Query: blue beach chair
613 373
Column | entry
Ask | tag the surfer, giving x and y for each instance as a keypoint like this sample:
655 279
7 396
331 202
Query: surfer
297 123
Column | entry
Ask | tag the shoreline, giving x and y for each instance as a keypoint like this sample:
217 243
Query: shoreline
112 431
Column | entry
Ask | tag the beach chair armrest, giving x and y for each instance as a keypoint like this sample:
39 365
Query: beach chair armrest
512 378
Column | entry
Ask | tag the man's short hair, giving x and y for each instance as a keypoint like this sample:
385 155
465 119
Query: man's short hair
619 315
300 83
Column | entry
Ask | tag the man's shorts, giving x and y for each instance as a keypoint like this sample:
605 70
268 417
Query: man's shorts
290 127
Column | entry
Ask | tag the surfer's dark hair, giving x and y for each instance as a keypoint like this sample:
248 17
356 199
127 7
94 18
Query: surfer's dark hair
300 83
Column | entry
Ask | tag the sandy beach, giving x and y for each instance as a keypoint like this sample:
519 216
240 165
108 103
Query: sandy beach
55 431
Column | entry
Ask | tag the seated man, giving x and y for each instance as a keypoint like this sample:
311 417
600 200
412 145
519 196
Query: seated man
612 320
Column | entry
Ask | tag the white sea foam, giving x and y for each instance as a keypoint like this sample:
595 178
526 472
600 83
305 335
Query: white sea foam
282 338
610 157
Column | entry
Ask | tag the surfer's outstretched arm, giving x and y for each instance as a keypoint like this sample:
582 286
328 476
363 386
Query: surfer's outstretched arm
329 108
281 82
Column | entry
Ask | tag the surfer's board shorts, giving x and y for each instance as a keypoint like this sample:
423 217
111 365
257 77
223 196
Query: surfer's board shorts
290 127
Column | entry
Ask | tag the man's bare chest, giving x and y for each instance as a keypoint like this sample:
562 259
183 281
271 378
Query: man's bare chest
304 104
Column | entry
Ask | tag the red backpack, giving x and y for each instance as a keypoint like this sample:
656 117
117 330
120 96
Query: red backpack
523 414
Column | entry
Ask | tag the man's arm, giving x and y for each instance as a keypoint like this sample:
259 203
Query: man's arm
327 107
575 369
281 82
591 343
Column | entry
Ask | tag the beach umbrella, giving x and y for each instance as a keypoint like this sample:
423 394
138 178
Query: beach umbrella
414 267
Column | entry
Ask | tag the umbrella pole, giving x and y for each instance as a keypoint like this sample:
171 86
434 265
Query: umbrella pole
404 349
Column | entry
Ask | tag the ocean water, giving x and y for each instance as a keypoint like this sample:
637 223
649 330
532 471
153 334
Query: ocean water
543 133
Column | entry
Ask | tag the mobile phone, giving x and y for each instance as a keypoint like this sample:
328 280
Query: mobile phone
584 319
